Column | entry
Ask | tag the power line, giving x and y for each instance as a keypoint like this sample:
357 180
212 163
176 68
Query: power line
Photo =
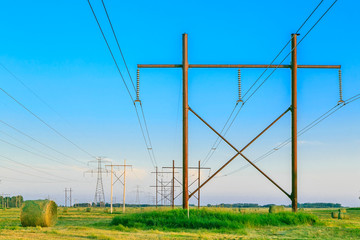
26 173
147 131
43 144
17 180
217 142
148 139
34 153
314 123
34 93
29 146
111 53
117 42
33 168
218 139
30 90
148 146
291 51
45 123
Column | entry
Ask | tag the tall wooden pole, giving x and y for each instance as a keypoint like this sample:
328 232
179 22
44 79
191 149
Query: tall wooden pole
185 67
294 67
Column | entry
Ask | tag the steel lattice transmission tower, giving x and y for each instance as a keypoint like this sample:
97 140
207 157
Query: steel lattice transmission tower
99 190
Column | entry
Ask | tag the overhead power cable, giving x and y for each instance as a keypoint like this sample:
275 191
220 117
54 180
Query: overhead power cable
218 140
148 146
111 53
41 143
29 146
212 150
308 127
46 124
145 133
291 51
117 42
18 180
148 135
34 93
31 152
35 169
29 89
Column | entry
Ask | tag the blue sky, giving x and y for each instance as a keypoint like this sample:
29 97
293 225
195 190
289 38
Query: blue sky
56 49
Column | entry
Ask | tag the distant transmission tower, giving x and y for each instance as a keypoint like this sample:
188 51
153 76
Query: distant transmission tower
67 197
99 191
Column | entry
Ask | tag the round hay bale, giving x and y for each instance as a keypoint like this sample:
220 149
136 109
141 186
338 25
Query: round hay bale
335 215
343 216
41 213
342 210
276 209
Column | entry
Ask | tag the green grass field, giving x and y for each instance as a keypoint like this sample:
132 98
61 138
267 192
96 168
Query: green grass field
144 223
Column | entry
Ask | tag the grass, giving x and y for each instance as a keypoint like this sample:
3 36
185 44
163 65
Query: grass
210 219
79 224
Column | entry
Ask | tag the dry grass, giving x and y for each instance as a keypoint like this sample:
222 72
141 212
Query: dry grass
78 224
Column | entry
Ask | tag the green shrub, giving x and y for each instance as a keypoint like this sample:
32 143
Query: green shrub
210 219
88 209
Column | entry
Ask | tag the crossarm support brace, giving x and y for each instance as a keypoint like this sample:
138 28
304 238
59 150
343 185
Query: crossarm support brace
239 152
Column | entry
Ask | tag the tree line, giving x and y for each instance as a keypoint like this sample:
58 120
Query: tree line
11 202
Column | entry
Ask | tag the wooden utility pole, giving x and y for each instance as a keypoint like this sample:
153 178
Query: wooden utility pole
163 187
185 67
199 168
294 67
117 179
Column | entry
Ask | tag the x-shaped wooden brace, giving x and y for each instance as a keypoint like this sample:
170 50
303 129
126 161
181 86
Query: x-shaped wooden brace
239 152
118 178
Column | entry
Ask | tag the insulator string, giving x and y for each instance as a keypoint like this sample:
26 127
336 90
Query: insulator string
239 86
137 85
340 87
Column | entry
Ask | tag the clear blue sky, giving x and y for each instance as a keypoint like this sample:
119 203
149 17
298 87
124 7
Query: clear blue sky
56 49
